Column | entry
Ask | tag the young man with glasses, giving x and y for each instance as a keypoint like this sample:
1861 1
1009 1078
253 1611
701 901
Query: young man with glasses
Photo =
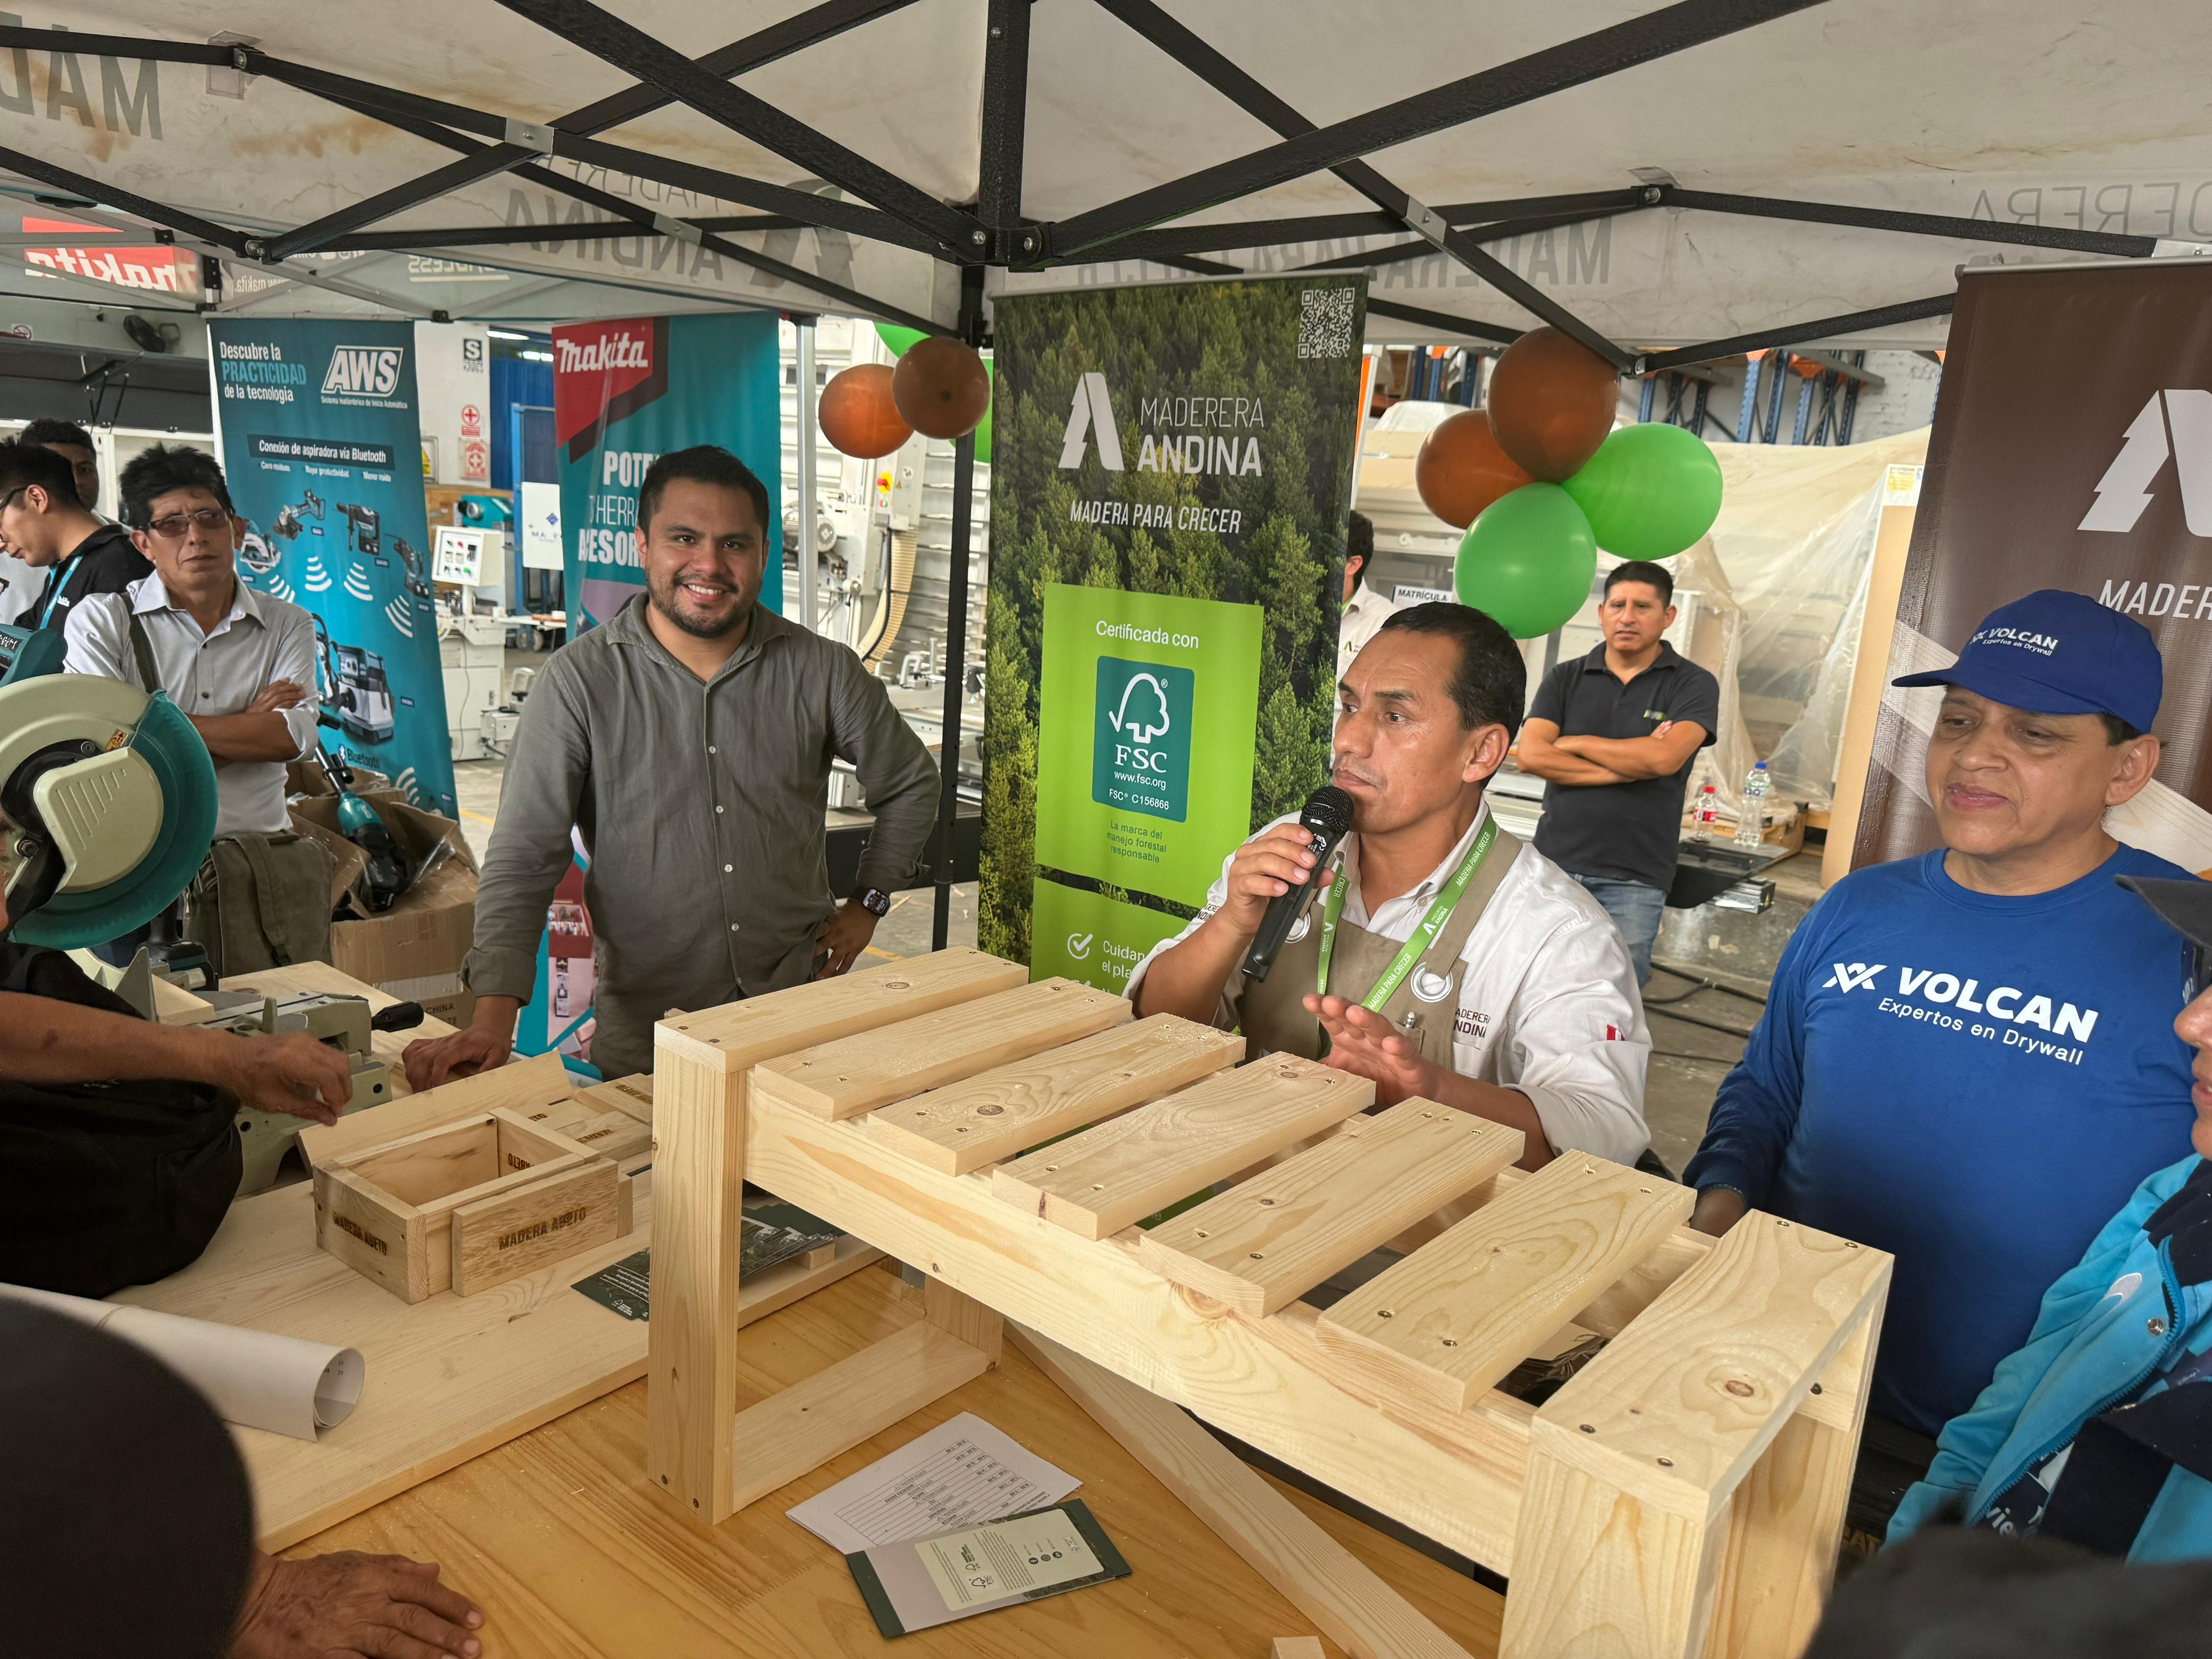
237 662
44 523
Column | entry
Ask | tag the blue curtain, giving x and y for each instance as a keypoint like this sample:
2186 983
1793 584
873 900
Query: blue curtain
514 380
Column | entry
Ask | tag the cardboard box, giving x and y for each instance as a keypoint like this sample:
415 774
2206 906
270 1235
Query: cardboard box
426 933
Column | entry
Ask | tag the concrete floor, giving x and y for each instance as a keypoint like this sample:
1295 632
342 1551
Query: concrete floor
1734 952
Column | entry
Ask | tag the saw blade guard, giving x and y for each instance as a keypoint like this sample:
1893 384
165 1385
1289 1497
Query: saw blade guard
173 750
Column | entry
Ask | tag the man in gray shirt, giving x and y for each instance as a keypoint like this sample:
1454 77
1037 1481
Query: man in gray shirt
690 739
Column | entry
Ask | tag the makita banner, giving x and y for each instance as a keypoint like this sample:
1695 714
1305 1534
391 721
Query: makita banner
322 448
627 393
1167 525
2072 449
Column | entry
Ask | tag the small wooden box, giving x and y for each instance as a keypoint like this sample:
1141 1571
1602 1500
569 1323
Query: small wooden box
468 1205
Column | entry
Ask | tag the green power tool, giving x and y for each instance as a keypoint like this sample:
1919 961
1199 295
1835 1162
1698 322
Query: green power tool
107 807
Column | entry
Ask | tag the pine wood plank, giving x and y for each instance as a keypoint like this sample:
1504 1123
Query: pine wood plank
498 1238
1121 1170
1314 1573
616 1136
448 1378
963 1316
525 1086
1456 1315
737 1035
434 1164
858 1074
1268 1242
632 1095
793 1433
702 1080
1786 1521
383 1238
1299 1647
964 1126
1602 1573
1453 1476
1708 1374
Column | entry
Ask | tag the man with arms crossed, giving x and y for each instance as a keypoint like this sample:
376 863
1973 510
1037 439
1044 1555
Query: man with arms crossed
234 661
1523 1009
1615 733
689 738
1967 1058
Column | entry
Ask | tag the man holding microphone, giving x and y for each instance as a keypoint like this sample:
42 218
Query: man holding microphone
1441 958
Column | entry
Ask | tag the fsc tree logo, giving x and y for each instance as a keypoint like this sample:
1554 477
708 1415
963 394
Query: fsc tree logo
1140 741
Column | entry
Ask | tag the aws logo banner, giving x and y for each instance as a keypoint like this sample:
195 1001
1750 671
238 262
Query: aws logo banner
363 372
1140 738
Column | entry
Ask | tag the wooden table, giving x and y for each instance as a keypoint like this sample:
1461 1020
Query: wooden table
557 1536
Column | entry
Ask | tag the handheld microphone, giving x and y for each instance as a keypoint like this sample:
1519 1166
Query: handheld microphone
1326 819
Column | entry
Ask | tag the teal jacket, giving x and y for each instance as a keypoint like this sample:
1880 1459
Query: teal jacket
2120 1324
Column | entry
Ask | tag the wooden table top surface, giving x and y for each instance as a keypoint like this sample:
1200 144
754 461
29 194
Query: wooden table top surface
557 1536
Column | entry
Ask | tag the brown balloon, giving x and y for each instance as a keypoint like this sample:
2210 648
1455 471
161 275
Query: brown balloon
1552 401
1461 469
857 414
941 386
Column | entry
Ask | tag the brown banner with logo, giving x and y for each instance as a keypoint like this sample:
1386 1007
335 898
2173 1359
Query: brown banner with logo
2072 449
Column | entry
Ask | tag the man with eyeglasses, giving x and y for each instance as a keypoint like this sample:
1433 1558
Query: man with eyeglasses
49 526
237 662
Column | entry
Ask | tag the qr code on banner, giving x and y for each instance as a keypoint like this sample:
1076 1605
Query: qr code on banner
1325 321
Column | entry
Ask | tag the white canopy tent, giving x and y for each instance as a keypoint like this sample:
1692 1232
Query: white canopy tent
1707 174
1671 185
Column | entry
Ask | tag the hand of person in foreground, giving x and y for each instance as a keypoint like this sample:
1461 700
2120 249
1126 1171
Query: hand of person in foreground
482 1044
350 1605
291 1072
844 936
1363 1042
1719 1208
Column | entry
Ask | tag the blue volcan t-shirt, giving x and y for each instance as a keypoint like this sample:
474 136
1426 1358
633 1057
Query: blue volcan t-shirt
1973 1083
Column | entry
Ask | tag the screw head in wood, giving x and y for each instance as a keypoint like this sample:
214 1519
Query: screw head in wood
1267 1203
1386 1313
1816 1388
1740 1389
1666 1463
1259 1255
989 1111
1589 1428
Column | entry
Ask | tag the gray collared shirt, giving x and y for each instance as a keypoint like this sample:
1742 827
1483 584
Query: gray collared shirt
260 640
702 807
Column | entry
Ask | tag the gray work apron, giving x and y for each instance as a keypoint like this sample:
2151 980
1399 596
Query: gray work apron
1272 1014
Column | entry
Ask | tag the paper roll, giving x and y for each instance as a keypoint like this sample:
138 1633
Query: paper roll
254 1378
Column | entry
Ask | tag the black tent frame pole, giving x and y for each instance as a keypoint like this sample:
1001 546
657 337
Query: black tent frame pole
999 209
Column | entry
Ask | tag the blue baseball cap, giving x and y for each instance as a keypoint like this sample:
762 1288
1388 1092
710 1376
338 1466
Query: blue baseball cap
2057 652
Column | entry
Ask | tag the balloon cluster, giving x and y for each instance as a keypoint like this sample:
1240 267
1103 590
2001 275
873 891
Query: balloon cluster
940 387
1540 481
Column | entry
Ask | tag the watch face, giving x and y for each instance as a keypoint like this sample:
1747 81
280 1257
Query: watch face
876 903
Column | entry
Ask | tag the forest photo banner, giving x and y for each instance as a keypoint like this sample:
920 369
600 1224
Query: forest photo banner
1168 501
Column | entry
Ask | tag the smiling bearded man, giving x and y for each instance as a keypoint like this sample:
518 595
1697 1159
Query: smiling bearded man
1967 1058
689 740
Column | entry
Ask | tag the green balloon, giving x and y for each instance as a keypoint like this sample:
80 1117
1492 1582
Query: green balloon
898 339
1649 491
1529 561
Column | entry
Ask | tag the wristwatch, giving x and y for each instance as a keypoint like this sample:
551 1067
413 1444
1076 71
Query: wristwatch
876 901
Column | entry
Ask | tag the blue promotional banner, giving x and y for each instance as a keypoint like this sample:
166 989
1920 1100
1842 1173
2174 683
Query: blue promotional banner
627 392
322 447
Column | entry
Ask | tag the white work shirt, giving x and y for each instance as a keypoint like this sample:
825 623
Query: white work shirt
1364 612
260 641
1549 1004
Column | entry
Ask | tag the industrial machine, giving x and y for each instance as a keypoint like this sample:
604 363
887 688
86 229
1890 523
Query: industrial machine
345 1023
109 803
109 800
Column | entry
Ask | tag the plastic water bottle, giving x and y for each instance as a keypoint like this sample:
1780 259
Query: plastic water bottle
1706 814
1751 822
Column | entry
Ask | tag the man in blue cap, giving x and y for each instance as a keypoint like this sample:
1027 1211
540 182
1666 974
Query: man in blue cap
1967 1058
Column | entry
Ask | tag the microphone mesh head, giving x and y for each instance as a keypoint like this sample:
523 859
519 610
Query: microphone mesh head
1328 810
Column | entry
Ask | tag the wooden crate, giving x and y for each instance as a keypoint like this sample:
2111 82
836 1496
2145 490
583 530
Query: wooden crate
1682 1496
470 1205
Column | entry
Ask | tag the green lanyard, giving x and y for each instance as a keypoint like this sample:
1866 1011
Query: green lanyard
1440 910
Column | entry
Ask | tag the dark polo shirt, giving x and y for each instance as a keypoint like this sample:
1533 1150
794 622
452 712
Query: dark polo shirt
105 561
1627 831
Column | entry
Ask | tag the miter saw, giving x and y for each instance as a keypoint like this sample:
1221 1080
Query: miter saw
107 804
